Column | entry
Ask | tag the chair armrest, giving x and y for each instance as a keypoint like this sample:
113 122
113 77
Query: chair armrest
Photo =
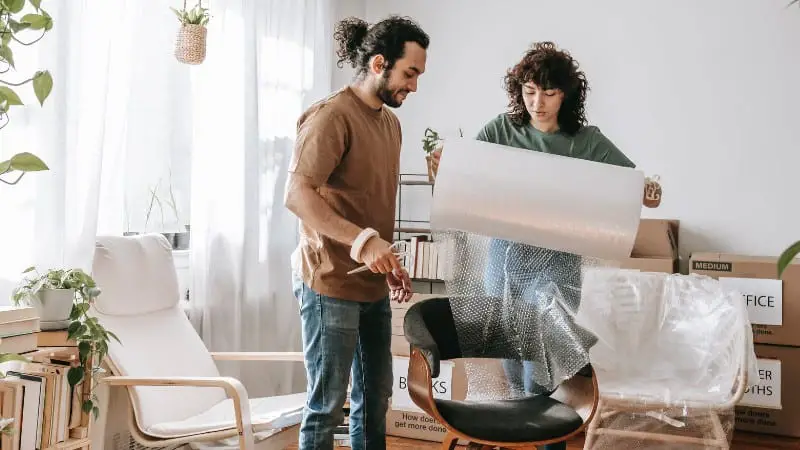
418 336
233 387
420 383
258 356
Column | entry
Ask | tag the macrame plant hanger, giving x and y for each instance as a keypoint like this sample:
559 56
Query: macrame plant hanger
190 45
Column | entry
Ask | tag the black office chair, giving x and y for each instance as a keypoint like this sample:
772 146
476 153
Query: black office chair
525 422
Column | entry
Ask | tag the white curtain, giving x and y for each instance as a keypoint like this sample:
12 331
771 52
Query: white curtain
266 61
116 119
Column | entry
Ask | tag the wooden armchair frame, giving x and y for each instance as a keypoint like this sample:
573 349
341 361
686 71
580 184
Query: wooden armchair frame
233 388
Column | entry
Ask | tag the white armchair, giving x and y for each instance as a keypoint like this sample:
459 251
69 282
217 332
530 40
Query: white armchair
674 348
175 389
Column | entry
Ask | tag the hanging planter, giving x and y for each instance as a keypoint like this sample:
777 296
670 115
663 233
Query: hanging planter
190 45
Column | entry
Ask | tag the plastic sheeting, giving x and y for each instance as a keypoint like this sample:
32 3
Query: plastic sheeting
675 339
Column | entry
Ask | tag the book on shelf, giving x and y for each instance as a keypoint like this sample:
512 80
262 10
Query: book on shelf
18 328
424 258
45 408
36 394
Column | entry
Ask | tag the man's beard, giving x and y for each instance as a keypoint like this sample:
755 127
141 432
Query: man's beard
385 94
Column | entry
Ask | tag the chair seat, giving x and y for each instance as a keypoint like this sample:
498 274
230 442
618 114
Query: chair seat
266 413
526 419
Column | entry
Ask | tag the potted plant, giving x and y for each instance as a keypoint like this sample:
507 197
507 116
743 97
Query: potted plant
75 291
52 294
430 142
190 46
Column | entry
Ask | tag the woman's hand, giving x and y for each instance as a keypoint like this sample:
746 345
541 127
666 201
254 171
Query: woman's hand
651 197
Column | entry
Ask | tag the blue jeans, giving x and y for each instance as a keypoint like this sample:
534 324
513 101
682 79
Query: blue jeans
343 338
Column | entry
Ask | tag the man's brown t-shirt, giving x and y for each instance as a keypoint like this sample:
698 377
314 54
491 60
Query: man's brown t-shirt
353 152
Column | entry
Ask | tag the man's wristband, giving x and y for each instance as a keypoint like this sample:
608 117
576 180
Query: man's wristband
359 242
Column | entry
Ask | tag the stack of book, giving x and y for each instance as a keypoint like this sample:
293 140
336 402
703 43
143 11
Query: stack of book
424 258
36 393
18 329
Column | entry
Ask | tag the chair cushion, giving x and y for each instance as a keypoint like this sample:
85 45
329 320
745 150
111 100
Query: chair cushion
268 413
135 274
526 419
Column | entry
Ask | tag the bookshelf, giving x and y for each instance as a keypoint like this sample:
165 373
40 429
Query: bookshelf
61 423
407 228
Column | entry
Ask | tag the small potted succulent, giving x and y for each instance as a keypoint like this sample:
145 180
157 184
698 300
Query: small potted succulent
190 46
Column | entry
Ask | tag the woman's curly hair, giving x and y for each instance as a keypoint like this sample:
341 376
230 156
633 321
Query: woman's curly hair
549 68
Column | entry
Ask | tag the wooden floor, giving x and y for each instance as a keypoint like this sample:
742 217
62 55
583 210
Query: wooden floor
742 441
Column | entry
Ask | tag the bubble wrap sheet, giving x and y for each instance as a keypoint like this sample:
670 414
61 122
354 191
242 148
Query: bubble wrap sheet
517 302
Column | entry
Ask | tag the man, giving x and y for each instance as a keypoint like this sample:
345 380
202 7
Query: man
342 186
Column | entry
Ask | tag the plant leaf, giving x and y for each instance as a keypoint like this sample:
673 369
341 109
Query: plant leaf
42 85
14 6
787 256
75 375
7 55
5 166
16 27
87 406
6 357
36 21
113 336
27 162
9 94
36 4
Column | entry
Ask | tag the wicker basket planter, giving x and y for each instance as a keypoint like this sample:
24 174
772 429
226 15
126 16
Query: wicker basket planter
190 46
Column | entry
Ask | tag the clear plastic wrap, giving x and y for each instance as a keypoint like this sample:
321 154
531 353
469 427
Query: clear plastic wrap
675 339
673 357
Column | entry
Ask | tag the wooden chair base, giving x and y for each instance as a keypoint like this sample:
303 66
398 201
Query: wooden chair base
718 438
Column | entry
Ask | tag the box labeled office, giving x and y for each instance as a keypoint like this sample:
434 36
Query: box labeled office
772 404
773 304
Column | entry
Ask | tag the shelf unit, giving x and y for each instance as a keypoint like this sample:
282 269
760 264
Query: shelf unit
79 436
405 228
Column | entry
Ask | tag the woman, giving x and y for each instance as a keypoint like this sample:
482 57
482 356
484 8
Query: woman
546 113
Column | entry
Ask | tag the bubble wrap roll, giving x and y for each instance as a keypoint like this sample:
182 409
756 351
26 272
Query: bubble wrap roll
555 202
518 228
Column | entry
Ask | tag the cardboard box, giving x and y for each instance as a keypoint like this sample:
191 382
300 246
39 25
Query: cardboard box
656 247
405 419
773 305
772 405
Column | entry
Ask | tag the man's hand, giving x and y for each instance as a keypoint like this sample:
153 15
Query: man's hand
379 256
400 290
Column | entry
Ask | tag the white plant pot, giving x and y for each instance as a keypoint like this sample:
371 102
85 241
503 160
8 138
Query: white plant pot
54 307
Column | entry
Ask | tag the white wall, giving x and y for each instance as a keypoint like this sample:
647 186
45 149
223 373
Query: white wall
702 93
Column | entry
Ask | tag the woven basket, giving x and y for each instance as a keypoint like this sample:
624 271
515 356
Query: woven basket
190 47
